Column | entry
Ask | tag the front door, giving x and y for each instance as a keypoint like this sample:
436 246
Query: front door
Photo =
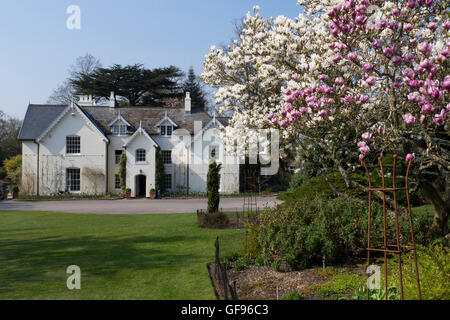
141 186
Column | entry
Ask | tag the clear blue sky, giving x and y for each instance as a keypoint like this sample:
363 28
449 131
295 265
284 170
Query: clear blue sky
37 48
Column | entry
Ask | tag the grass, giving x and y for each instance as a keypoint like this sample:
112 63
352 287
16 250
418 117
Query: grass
120 256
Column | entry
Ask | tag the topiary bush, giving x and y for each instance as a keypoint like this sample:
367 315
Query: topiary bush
299 234
123 171
213 186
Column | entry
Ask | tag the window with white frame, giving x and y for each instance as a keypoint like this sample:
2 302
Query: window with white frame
117 182
167 156
120 130
73 179
118 154
72 144
140 155
166 131
168 181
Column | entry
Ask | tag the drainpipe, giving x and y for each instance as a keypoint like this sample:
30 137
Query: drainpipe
107 167
37 168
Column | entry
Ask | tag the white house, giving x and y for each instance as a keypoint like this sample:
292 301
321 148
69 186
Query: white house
77 148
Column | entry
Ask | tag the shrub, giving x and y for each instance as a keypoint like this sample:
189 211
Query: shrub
13 167
215 220
434 272
2 172
253 247
318 186
160 172
293 296
213 186
123 171
299 234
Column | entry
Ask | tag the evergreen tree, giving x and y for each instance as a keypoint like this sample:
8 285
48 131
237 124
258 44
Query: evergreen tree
123 171
159 172
134 83
193 85
212 187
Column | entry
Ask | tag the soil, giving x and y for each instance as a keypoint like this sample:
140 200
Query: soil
260 282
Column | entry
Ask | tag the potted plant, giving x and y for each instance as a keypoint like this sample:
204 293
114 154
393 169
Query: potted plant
152 193
128 193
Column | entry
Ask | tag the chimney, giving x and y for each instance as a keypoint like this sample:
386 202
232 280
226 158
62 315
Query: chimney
112 100
187 103
86 101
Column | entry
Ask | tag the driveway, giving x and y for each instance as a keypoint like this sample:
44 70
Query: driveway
133 206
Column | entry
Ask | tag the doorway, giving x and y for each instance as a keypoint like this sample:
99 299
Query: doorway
141 186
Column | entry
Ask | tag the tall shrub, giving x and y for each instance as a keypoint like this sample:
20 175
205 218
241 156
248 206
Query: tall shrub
13 168
123 171
213 185
159 172
300 233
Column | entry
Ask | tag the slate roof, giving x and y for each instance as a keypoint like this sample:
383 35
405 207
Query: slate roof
39 117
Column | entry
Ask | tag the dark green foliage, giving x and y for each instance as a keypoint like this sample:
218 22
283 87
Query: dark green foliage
318 186
300 233
212 187
136 84
400 172
160 172
214 220
2 172
123 171
192 85
9 130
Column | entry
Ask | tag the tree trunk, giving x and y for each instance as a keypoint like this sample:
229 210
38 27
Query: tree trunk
441 203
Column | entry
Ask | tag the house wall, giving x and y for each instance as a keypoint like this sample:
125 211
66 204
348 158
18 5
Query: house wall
229 174
116 143
29 168
54 160
147 168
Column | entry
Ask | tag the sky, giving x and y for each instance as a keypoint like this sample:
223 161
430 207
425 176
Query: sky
38 48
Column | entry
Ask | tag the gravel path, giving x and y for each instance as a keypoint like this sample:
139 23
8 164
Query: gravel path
134 206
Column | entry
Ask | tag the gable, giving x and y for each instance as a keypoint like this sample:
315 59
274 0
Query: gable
73 110
37 119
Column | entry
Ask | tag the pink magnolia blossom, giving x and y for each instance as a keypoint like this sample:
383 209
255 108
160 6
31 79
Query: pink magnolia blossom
408 27
410 157
366 136
409 119
371 81
352 56
368 67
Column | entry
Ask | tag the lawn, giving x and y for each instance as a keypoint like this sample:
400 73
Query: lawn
120 256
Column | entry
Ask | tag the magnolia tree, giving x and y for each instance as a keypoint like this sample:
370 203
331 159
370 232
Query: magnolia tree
379 80
250 73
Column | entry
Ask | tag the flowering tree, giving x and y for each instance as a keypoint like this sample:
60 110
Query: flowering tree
378 79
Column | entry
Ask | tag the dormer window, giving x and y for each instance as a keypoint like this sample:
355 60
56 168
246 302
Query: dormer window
119 130
166 131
